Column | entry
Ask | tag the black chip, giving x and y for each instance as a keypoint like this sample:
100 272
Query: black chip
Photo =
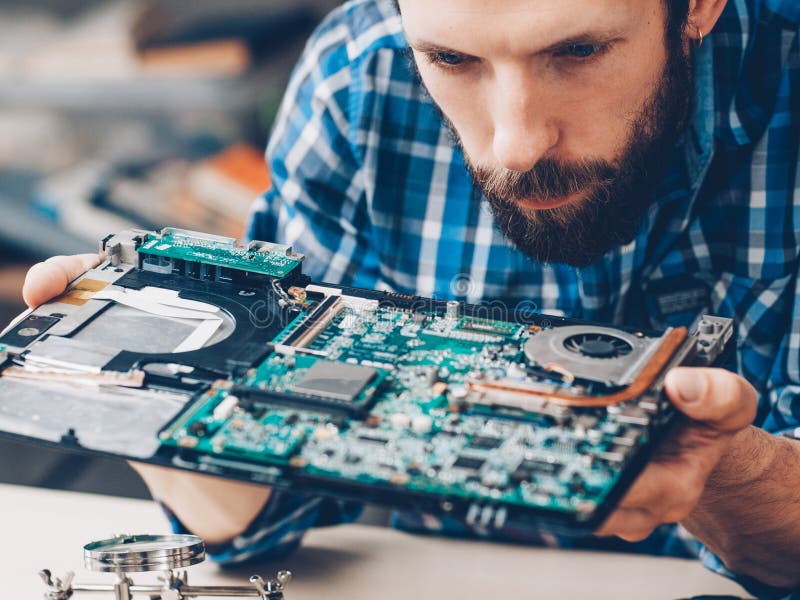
541 466
468 462
577 486
256 411
485 442
519 475
339 421
334 387
372 439
198 428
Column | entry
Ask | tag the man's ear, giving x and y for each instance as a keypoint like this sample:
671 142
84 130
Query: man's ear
703 15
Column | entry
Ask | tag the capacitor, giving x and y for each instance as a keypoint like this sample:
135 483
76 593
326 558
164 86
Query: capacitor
422 424
595 436
326 432
516 371
453 312
400 420
493 479
458 392
225 408
399 479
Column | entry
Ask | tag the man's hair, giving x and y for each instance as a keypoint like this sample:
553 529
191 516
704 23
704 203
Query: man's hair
677 16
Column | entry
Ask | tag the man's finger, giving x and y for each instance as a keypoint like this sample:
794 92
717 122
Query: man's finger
716 397
668 488
49 278
631 524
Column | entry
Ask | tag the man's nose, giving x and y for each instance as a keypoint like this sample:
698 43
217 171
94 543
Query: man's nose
523 132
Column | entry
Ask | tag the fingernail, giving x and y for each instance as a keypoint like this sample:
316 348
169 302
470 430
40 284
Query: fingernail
690 384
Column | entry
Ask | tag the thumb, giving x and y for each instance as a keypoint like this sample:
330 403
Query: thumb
716 397
49 278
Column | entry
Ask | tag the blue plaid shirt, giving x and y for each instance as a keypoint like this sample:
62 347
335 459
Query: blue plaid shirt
369 185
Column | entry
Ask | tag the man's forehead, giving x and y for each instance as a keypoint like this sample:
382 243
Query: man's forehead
521 25
521 8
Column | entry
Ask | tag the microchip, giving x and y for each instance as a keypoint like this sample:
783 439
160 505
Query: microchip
485 442
338 381
529 468
519 475
485 326
468 462
542 466
372 439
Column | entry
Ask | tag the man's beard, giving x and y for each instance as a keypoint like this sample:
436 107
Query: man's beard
581 231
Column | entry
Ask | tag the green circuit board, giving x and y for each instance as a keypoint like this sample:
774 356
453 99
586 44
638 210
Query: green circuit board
380 396
263 258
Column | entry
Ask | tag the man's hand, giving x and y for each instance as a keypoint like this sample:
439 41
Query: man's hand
47 279
734 486
717 404
213 508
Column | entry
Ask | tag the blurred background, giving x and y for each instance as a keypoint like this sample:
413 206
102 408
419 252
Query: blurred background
119 113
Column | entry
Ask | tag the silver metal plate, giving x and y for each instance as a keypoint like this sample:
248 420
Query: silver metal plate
142 553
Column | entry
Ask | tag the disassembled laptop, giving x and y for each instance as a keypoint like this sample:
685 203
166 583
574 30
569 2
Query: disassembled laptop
191 351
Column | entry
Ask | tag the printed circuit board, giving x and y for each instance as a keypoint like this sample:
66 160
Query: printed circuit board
492 416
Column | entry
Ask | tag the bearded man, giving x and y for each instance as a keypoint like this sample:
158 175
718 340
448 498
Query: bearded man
626 161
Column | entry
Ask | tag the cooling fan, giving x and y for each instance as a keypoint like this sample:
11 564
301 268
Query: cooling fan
598 345
614 357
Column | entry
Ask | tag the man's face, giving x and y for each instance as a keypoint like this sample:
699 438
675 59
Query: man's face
564 110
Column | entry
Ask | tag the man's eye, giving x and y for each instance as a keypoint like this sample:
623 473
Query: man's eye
580 51
447 59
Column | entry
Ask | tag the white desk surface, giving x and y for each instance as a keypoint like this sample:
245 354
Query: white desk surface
47 529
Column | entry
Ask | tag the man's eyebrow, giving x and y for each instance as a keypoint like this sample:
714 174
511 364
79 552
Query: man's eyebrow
588 37
431 48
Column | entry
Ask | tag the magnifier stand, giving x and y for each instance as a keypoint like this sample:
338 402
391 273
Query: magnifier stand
126 554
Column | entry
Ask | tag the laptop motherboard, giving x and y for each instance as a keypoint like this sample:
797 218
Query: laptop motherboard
189 350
